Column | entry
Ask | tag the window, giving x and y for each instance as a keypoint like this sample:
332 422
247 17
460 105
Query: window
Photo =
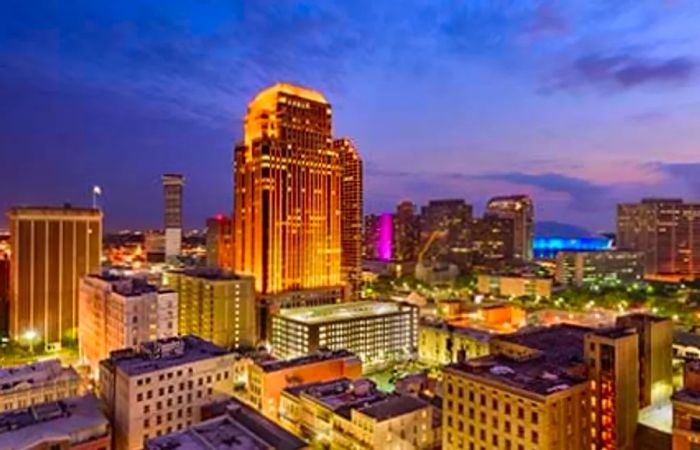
535 417
139 397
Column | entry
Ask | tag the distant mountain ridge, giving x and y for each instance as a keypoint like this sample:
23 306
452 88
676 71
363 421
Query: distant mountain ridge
559 229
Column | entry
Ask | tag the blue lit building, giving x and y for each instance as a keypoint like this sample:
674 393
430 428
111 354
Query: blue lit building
548 247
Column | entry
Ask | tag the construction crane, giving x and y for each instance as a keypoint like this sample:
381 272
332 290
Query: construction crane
433 236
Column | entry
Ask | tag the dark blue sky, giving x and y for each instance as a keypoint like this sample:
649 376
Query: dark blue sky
579 103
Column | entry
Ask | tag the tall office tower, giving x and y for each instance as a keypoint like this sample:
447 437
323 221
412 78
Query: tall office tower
521 210
351 215
445 230
655 335
377 236
51 249
117 312
162 387
216 305
492 241
612 358
406 232
666 230
173 184
287 212
4 295
219 242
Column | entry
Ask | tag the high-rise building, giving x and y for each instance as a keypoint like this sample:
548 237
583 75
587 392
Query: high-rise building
378 237
603 266
525 395
173 185
220 242
378 332
162 387
444 230
75 423
351 215
4 295
665 230
51 249
655 337
33 384
117 312
406 234
216 305
521 210
287 211
268 378
492 241
612 359
686 409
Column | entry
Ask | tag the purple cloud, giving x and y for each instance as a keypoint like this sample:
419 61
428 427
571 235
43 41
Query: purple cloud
621 72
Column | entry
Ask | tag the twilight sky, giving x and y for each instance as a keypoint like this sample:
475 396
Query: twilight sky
580 103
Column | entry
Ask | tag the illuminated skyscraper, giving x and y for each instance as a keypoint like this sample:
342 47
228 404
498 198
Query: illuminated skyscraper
172 191
406 232
287 212
351 214
521 210
51 249
665 230
219 242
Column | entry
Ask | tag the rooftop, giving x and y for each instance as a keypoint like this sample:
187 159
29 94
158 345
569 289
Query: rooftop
560 344
24 428
474 333
53 211
342 396
537 376
686 338
211 274
274 365
162 354
393 406
268 94
343 311
241 428
614 332
687 396
128 286
30 375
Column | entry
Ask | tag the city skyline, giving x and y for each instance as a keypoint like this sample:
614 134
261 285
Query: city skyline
587 110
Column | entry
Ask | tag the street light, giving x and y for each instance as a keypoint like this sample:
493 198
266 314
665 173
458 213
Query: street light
29 336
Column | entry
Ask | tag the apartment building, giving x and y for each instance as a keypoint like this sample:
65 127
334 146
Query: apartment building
162 386
216 305
347 414
117 312
523 396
